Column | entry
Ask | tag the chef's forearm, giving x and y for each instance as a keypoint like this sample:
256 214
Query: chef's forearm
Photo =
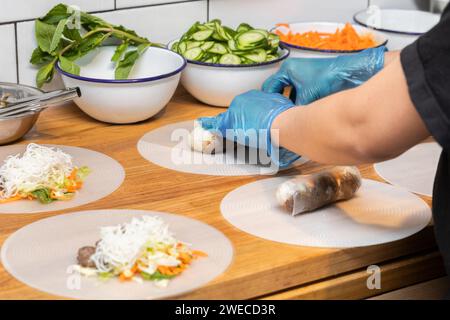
371 123
390 56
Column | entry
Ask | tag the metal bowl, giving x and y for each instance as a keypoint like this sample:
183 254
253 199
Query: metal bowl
14 128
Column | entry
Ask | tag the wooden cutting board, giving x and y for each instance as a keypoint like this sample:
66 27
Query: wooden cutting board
260 267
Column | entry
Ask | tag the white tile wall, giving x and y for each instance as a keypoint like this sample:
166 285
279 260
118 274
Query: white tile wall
266 13
159 23
8 54
14 10
134 3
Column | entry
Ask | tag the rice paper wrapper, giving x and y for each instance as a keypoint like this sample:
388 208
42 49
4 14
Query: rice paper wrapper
414 170
169 147
378 213
42 255
106 176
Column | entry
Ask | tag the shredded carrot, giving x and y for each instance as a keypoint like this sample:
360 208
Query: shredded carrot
343 39
170 271
283 25
73 174
184 257
15 198
123 277
129 274
198 253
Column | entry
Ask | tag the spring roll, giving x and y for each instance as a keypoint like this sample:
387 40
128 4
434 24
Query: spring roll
309 192
203 141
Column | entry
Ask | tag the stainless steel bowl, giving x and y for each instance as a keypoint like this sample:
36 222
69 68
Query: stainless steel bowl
14 128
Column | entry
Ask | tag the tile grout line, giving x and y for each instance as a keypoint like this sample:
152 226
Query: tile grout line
17 52
112 10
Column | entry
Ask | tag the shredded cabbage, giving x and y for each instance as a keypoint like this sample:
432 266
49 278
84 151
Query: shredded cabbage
121 246
39 167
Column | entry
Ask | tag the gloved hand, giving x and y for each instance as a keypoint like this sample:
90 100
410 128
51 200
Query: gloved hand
250 114
312 79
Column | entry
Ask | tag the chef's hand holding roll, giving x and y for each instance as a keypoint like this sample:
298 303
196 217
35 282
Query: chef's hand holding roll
312 79
250 114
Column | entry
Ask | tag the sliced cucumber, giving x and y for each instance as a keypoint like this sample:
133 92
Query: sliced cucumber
202 35
193 44
182 47
221 32
263 32
230 59
207 45
232 45
174 46
191 31
194 54
243 27
257 56
250 39
217 37
230 32
218 48
274 40
214 43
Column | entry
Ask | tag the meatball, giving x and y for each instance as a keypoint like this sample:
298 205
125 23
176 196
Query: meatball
84 257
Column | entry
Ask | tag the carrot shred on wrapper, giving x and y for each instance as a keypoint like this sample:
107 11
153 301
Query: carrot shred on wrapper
342 39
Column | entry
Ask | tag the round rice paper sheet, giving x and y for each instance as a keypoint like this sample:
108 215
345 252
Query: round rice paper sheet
106 176
42 255
378 213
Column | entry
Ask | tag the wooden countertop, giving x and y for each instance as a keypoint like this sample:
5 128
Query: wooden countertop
260 267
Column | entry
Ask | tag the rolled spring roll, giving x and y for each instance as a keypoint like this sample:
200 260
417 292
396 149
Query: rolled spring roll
203 141
310 192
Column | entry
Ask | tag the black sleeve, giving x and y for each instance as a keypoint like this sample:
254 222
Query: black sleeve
426 64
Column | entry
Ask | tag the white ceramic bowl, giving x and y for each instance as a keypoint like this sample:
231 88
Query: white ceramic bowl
149 88
400 27
218 84
330 27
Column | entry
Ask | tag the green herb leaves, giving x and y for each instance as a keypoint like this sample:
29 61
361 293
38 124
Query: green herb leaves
59 40
69 66
45 73
125 65
156 276
57 35
44 35
43 195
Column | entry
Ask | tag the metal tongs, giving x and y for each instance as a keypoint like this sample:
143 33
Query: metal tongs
38 103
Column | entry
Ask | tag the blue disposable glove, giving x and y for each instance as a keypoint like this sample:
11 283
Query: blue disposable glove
250 114
312 78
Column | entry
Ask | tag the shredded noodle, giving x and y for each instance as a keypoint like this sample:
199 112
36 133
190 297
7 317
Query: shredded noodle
39 167
120 246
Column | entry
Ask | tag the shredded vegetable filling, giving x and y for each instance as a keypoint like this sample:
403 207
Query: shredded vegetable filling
42 173
144 246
